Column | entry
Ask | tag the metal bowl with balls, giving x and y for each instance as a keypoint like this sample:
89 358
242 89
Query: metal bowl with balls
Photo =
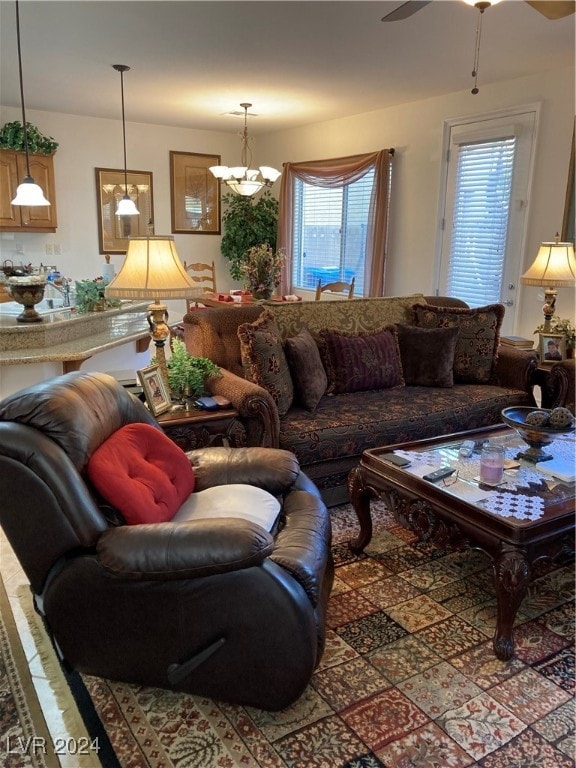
538 427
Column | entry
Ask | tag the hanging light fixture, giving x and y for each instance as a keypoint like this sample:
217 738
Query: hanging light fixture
28 192
242 179
126 206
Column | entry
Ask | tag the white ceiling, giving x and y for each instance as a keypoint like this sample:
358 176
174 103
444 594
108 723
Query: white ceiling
298 62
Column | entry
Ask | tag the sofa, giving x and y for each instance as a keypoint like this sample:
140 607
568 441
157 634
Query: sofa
328 439
215 605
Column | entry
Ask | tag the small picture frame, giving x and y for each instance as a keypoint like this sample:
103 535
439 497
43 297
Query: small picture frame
155 389
552 348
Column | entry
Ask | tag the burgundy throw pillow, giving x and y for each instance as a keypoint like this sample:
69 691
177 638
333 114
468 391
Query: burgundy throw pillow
142 474
427 355
478 338
364 361
308 374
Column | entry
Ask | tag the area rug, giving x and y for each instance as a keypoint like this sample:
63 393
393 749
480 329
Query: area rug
408 679
24 738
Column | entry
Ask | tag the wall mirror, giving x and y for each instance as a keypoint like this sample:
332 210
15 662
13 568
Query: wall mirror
114 231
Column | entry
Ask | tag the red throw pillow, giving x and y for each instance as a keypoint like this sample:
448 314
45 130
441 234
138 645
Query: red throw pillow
142 474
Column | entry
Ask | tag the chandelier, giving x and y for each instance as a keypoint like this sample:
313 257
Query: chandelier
242 179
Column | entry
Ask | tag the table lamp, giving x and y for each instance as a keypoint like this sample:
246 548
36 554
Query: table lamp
554 266
152 269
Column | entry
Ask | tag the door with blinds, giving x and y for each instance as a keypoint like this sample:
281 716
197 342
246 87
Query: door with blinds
487 184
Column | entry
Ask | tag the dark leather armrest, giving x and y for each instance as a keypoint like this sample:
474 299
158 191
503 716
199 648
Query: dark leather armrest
303 544
188 550
272 469
254 404
515 367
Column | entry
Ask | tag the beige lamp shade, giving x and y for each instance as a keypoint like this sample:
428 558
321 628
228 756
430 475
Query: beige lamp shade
554 265
152 269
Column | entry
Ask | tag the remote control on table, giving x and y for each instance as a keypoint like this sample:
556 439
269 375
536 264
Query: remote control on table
438 474
467 449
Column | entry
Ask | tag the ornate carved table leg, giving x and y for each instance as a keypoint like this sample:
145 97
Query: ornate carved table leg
511 576
360 497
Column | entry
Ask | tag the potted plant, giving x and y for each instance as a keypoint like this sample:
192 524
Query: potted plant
247 223
12 137
187 374
261 269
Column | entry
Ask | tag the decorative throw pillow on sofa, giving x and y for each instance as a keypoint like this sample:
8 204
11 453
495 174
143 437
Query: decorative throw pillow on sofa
264 361
478 339
427 355
141 473
364 361
308 373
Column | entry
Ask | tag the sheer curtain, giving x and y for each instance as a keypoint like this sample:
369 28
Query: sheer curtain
337 173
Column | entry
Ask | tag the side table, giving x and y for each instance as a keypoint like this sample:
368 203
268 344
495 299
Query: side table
556 383
200 428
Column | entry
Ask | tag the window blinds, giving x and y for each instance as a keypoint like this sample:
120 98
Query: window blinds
330 227
480 225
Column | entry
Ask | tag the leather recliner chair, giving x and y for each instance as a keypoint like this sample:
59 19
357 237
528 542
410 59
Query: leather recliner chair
220 608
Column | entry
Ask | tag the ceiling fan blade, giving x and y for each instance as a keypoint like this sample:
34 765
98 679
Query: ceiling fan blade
405 10
553 9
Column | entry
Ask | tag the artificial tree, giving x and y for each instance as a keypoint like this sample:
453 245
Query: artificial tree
248 222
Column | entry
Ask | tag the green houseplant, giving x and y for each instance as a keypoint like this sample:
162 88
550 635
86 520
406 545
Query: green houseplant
247 223
187 374
12 137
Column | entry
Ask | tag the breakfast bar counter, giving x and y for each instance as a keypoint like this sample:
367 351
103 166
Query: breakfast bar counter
68 337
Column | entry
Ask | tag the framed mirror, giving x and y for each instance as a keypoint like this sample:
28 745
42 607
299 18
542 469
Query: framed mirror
114 231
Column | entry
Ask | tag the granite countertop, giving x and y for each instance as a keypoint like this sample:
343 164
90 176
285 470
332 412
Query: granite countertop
66 336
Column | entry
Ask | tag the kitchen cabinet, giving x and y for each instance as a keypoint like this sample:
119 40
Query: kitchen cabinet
15 218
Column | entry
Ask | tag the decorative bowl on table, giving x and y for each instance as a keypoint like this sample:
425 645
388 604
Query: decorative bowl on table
28 291
538 430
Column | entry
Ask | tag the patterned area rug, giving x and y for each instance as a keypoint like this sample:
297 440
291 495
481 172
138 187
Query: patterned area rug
24 738
408 679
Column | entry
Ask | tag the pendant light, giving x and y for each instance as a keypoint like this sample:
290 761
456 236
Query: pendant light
28 192
126 206
241 179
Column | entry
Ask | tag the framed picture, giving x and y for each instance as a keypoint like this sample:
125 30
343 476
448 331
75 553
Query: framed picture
155 389
552 347
194 194
114 231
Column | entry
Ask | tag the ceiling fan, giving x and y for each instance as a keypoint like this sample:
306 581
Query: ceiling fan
551 9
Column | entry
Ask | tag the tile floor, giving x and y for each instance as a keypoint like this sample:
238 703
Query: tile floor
58 708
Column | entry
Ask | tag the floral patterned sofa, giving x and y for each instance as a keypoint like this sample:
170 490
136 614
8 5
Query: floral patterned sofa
365 400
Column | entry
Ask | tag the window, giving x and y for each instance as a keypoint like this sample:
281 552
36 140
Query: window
330 230
488 171
480 225
333 221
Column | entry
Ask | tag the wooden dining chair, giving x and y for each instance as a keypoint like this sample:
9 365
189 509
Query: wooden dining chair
205 276
337 287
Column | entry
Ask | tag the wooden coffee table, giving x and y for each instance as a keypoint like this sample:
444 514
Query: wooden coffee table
451 516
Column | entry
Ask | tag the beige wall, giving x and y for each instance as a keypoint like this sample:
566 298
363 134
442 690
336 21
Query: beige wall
415 130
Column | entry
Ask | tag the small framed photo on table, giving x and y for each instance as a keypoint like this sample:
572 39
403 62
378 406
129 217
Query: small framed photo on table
552 347
155 389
